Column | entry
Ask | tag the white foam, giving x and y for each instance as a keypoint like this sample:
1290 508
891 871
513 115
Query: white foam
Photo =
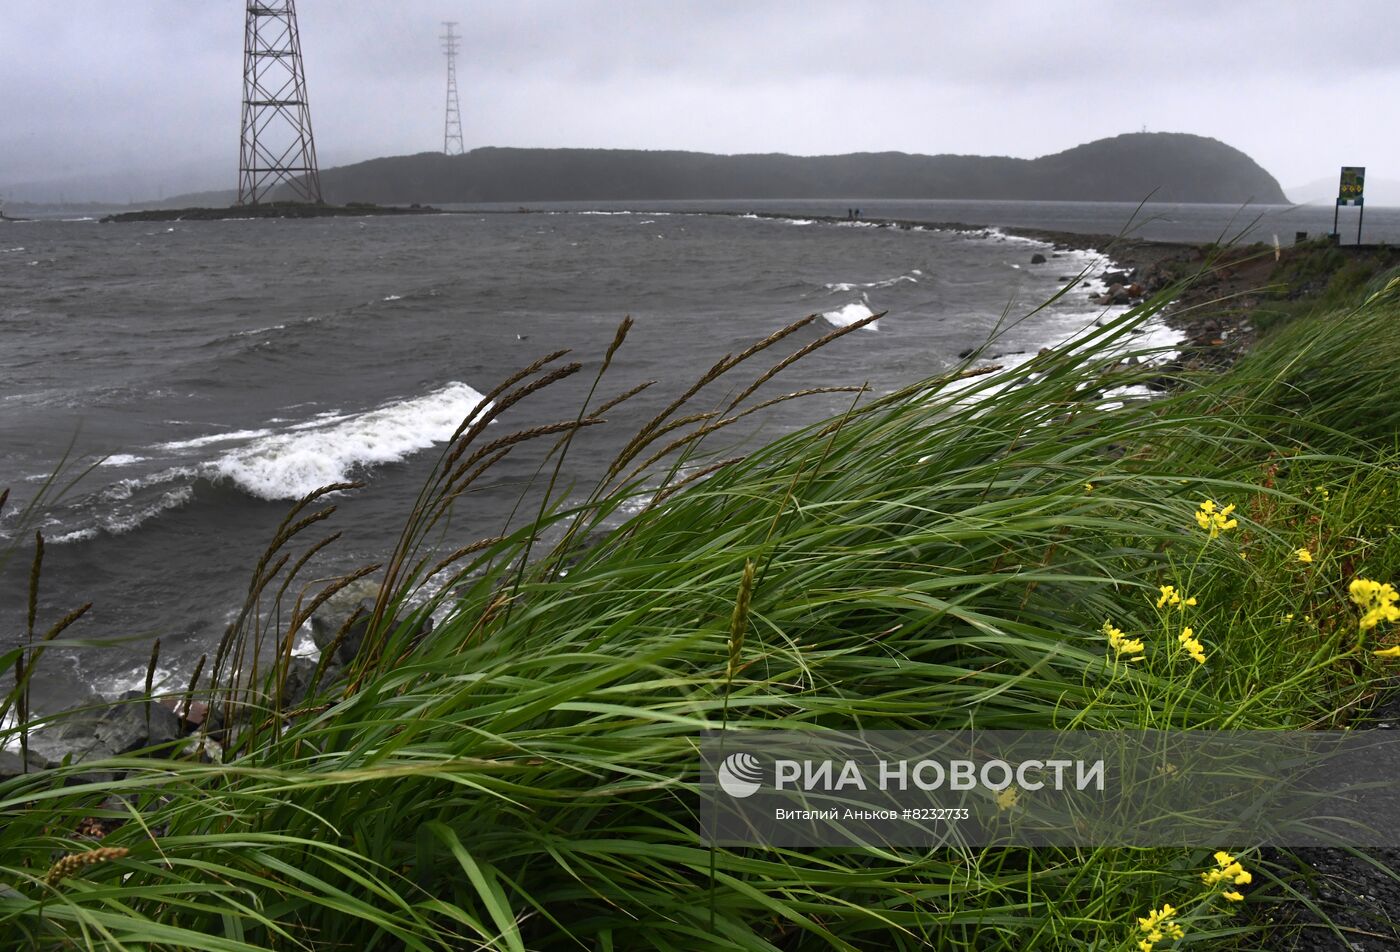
912 277
9 741
77 535
122 459
290 465
394 297
260 330
849 314
199 441
135 680
177 497
126 488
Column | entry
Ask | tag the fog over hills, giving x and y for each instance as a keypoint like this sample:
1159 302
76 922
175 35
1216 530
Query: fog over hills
1158 166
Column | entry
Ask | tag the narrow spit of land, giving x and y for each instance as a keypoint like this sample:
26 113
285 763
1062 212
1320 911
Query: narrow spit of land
271 210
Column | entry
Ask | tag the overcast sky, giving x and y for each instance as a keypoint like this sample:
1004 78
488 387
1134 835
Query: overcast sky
120 99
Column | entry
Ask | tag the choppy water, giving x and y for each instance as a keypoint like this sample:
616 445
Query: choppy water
225 368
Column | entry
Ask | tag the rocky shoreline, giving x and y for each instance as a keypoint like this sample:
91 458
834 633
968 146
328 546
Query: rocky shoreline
182 725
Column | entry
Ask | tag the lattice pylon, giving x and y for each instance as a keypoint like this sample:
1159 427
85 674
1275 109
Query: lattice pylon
452 125
277 145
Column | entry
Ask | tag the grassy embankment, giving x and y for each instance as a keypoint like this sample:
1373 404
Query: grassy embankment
524 778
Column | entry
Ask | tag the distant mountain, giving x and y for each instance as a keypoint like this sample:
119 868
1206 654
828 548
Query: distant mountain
1323 191
1170 167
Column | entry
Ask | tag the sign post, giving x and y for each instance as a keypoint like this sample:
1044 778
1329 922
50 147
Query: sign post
1351 192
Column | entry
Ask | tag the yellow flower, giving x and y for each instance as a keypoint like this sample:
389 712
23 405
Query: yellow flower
1215 521
1392 652
1121 644
1157 917
1088 487
1303 555
1322 490
1172 598
1191 646
1007 799
1227 868
1377 601
1288 617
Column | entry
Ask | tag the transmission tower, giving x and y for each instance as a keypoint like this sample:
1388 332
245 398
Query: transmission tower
452 126
277 145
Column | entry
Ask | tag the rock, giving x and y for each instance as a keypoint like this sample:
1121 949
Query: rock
12 766
297 686
331 617
132 724
1136 290
136 724
1111 278
1037 258
198 713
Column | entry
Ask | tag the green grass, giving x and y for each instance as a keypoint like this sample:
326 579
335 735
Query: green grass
525 778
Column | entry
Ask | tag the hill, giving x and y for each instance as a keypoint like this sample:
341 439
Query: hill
1171 167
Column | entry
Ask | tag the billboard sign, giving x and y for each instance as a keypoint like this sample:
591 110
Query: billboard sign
1353 184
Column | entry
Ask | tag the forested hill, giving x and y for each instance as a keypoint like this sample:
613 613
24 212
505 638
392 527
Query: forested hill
1170 167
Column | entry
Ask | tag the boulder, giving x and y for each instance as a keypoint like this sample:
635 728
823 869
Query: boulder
297 686
136 724
12 766
1037 258
130 725
331 617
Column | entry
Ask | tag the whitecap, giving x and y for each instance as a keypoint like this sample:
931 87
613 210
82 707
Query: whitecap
911 277
849 314
289 465
199 441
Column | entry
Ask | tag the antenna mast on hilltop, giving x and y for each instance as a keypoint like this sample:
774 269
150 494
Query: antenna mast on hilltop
277 145
452 126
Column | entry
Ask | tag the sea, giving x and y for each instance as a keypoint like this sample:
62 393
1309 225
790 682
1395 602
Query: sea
168 390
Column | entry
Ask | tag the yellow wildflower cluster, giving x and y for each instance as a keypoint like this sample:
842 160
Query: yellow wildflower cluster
1303 555
1159 924
1171 598
1007 799
1213 520
1121 644
1228 871
1376 600
1191 646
